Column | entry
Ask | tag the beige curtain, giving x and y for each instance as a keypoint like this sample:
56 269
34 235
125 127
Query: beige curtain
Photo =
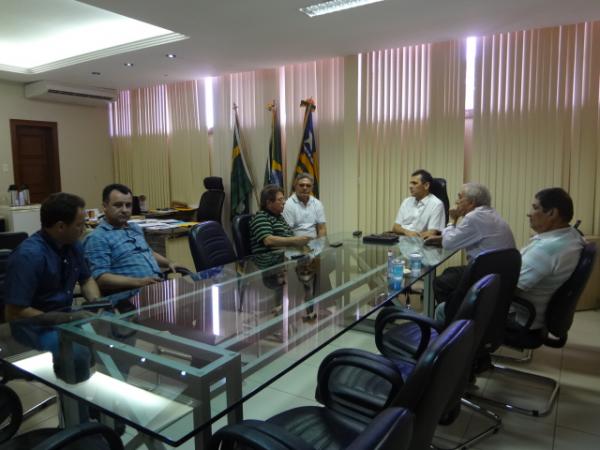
189 154
160 142
141 152
535 120
411 117
324 82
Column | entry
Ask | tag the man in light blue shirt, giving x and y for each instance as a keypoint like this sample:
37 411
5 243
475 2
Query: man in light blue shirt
117 252
551 255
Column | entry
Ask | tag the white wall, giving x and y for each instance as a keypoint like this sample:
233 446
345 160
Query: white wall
85 153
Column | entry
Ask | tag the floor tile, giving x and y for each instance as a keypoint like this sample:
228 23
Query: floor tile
567 439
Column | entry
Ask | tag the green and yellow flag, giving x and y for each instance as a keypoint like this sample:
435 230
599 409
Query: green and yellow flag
274 169
241 184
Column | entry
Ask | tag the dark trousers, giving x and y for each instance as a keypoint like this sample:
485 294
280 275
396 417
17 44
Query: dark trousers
444 287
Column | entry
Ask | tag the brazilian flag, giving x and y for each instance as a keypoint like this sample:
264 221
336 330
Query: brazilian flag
308 160
241 186
274 169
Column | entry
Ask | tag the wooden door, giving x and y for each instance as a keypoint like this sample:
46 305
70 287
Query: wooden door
35 157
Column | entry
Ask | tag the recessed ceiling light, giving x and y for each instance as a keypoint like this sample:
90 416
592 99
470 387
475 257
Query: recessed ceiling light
37 35
128 64
333 6
95 73
171 55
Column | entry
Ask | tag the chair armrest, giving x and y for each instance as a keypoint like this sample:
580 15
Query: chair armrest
424 323
528 306
73 434
377 366
258 435
11 409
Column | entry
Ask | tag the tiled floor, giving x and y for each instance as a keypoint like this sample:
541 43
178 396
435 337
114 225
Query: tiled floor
574 423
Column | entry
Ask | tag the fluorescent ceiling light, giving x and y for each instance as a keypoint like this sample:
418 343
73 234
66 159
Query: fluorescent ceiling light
333 6
38 35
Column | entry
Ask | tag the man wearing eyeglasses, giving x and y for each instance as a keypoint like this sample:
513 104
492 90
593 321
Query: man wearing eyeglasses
117 252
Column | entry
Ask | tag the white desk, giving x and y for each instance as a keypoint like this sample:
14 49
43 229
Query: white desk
21 218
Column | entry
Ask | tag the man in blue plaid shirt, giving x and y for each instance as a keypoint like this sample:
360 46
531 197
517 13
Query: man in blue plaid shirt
117 252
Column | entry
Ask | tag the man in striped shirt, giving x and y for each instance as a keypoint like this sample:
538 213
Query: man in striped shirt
268 228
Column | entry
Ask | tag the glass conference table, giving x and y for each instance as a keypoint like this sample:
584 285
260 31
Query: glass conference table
180 354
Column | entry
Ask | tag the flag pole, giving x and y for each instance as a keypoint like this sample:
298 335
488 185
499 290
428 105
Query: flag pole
242 146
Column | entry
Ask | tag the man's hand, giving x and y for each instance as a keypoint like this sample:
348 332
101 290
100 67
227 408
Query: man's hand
147 281
301 241
410 233
433 240
429 233
454 215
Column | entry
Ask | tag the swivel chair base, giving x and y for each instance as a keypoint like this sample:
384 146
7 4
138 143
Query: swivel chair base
491 430
521 409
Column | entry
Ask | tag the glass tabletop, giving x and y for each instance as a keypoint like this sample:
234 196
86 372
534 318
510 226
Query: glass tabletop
183 353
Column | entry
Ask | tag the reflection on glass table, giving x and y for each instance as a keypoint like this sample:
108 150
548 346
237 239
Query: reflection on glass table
184 354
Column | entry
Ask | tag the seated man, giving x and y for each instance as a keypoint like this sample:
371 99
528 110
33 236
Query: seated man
551 255
268 228
480 229
302 211
421 214
41 274
117 252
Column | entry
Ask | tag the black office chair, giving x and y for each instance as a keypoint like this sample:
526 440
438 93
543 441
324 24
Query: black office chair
478 305
390 430
404 338
438 188
425 390
210 246
361 384
241 234
211 201
11 240
91 436
559 318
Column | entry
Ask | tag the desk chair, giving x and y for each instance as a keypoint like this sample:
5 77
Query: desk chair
241 234
11 240
210 246
478 306
347 412
559 318
390 430
211 201
91 436
438 188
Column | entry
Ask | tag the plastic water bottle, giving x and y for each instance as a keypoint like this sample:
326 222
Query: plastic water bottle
390 257
397 274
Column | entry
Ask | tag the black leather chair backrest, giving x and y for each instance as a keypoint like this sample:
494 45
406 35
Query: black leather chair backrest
211 201
393 423
439 189
434 379
241 234
210 246
561 308
507 264
11 240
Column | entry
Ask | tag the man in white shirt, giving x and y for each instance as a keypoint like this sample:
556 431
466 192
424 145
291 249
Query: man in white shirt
303 212
480 229
551 255
421 214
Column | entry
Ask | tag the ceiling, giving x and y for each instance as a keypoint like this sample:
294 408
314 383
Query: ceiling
236 35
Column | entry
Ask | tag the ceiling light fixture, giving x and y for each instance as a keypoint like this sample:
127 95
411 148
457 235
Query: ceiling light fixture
333 6
171 55
128 64
95 73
